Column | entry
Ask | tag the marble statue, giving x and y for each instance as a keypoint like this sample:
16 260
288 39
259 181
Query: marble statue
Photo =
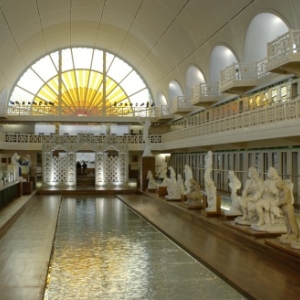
285 203
210 189
152 185
180 184
234 184
147 150
249 197
267 205
15 159
188 175
194 197
14 168
172 189
162 171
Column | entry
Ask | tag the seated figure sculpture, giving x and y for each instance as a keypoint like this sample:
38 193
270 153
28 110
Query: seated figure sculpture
172 189
267 205
285 203
250 195
152 185
234 184
194 197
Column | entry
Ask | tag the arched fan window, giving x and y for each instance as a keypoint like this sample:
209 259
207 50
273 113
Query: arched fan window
79 81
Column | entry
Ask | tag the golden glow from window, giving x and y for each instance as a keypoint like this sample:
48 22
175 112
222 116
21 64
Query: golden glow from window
80 84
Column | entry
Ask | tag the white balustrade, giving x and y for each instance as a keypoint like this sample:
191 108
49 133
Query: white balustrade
283 49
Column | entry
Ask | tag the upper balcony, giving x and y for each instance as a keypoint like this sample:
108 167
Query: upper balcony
29 112
164 113
181 105
284 54
205 94
239 78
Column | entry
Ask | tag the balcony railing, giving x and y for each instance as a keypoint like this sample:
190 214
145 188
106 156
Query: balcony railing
75 111
40 138
181 104
261 116
205 94
284 52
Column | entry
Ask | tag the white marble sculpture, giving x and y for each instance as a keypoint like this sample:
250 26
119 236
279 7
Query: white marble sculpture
162 171
152 185
15 159
14 166
250 195
147 150
194 197
188 175
172 189
234 184
285 203
180 184
267 206
210 189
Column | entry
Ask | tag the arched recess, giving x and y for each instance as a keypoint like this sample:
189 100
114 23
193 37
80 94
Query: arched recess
193 77
160 99
175 90
221 58
264 28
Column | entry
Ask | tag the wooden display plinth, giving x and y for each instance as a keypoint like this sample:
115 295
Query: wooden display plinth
151 190
283 247
183 198
190 207
162 191
249 231
174 200
228 217
216 213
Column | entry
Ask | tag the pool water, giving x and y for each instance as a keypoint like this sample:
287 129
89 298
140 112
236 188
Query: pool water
104 250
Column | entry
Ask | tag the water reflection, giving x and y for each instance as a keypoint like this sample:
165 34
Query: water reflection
103 250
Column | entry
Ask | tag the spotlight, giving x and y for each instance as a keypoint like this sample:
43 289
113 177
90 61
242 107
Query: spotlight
34 103
40 103
142 104
11 102
17 103
29 103
23 102
153 104
115 104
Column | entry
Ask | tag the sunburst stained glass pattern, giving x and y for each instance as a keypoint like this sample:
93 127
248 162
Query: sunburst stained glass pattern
77 80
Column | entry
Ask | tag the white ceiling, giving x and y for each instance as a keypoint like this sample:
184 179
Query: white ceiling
160 38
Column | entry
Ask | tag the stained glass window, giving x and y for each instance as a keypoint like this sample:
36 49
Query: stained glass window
80 80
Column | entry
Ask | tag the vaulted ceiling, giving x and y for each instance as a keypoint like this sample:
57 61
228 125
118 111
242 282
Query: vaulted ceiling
160 38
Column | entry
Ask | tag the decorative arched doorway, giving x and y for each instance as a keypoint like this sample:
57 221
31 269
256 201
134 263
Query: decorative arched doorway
111 159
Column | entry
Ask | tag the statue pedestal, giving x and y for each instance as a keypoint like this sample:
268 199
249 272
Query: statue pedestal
215 213
162 191
148 163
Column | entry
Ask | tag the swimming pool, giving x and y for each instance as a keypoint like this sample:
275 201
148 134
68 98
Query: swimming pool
104 250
